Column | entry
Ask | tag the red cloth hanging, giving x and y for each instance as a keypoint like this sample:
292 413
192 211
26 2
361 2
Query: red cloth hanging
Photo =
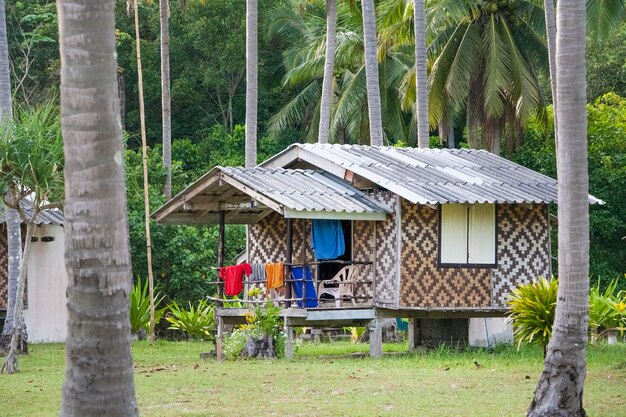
233 278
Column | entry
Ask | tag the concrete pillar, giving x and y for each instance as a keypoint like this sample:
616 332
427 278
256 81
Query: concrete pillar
289 341
413 333
376 338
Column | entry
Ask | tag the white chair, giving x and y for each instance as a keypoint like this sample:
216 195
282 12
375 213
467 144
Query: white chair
339 286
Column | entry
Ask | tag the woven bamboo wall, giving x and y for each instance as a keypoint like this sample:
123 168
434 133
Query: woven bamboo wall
523 247
423 283
364 250
522 253
386 255
4 265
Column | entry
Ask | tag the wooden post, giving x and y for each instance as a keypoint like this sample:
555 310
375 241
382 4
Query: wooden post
219 339
289 256
376 338
289 341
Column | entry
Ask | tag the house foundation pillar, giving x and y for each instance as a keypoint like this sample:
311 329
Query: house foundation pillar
413 331
289 341
376 338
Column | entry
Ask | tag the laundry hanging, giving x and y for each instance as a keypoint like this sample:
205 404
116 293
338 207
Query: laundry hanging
327 239
233 278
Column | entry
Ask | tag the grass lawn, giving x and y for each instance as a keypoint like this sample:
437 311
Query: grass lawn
171 380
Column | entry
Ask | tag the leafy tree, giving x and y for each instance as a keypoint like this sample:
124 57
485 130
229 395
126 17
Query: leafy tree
31 167
487 57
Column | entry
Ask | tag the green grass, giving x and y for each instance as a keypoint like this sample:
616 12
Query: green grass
171 380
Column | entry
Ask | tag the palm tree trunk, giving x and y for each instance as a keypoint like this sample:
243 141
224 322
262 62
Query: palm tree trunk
421 76
6 105
371 73
99 370
548 8
10 363
252 84
560 388
329 69
166 100
12 216
121 93
14 235
144 152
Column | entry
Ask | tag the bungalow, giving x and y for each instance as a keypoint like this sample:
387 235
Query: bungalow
437 235
45 310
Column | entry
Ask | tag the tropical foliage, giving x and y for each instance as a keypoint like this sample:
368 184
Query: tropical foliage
140 307
532 307
198 321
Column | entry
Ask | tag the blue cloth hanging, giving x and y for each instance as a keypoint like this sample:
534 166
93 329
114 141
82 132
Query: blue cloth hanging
311 294
327 239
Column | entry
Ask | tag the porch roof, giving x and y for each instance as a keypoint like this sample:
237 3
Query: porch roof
428 176
246 195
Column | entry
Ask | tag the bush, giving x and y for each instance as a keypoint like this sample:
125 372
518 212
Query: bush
140 307
197 321
532 308
607 310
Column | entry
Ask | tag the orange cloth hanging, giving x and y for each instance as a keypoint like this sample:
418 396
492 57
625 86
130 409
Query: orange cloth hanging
274 275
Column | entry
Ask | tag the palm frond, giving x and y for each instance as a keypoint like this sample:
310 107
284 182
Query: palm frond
603 16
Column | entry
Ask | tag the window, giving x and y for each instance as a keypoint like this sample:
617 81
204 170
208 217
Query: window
467 234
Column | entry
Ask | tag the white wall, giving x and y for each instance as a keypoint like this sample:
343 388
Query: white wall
46 316
498 329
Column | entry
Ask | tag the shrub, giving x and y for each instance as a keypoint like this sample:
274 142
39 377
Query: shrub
532 307
140 307
197 321
607 309
264 321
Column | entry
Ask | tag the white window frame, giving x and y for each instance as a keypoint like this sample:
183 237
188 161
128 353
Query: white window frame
467 235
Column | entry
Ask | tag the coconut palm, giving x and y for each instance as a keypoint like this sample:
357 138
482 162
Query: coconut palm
303 62
99 370
166 97
560 388
371 72
252 80
603 16
31 167
421 77
329 68
12 217
489 55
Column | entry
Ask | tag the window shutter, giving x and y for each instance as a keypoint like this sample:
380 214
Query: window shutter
453 234
482 234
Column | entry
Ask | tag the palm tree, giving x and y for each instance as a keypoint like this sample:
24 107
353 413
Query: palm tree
12 216
252 82
421 76
604 16
560 388
326 103
144 146
304 65
99 370
31 167
166 98
371 72
489 55
548 7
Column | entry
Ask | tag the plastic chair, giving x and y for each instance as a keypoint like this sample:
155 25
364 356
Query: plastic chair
339 286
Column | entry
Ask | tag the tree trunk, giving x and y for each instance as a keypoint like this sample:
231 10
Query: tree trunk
261 348
121 93
166 106
144 157
475 114
14 238
10 363
421 76
326 104
252 85
371 73
6 105
99 370
548 8
560 389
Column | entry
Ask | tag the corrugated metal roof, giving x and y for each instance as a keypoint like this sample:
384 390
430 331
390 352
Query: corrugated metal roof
306 190
51 216
437 176
247 192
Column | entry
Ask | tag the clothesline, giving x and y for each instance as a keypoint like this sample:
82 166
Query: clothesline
356 281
